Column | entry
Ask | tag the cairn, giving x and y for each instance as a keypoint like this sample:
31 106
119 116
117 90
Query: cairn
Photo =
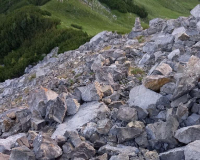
137 26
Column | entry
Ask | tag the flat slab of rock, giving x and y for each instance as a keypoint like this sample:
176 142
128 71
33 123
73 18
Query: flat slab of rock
7 143
173 154
192 151
188 134
196 11
22 153
142 97
86 113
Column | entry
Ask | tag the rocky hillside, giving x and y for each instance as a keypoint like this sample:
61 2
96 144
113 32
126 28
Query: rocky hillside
131 97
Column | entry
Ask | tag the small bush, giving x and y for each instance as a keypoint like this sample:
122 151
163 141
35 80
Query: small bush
76 26
136 71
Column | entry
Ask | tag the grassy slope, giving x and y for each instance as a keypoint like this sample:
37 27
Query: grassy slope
94 21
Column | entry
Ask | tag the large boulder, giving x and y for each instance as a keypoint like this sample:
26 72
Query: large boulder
46 148
188 134
86 113
91 92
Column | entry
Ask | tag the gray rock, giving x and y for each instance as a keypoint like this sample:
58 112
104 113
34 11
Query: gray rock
98 62
72 106
188 134
196 11
142 140
142 97
91 92
104 126
168 88
22 153
173 54
192 151
164 42
89 129
86 113
37 124
96 39
107 90
151 155
150 47
144 59
194 119
173 154
56 110
46 148
127 114
163 131
119 149
133 130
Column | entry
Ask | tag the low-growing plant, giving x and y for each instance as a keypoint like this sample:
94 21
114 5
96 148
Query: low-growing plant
77 26
136 71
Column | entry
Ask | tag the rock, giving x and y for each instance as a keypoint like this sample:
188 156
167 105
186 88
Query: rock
155 82
46 148
37 124
136 30
86 113
127 114
192 151
151 155
73 137
96 39
173 154
163 131
72 106
164 69
104 126
182 112
133 130
119 149
22 153
107 90
38 98
155 25
102 157
23 141
188 134
98 62
89 130
8 142
164 42
120 157
56 110
150 47
116 104
142 140
189 79
84 150
144 59
168 88
196 11
173 54
142 97
4 156
194 119
91 92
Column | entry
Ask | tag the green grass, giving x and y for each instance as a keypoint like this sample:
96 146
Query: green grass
96 19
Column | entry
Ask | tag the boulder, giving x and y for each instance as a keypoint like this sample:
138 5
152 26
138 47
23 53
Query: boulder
155 82
192 151
86 113
119 149
127 114
142 97
46 148
4 156
72 106
163 131
188 134
173 154
189 79
22 153
38 98
104 126
196 11
91 92
56 110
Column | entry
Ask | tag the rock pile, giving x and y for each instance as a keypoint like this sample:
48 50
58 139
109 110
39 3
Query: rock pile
114 98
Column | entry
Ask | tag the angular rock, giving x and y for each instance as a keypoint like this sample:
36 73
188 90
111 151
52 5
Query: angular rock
37 124
4 156
23 141
164 69
104 126
196 11
22 153
133 130
46 148
119 149
72 106
86 113
56 110
107 90
188 134
173 54
173 154
151 155
127 114
84 150
168 88
155 82
194 119
120 157
192 151
91 92
142 140
142 97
